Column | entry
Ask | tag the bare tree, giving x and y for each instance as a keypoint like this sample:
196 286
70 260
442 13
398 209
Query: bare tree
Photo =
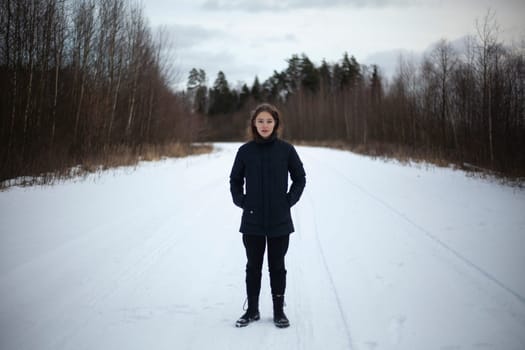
59 39
443 61
84 26
487 31
80 77
137 36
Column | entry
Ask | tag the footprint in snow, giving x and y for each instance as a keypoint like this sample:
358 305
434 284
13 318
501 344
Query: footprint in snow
395 329
371 345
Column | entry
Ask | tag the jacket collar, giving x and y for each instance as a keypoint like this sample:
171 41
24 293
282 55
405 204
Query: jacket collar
261 141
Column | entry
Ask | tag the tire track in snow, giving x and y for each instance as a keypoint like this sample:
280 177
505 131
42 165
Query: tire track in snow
140 261
487 275
88 294
303 325
95 297
329 274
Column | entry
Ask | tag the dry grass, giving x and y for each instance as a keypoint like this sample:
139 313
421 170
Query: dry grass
126 156
378 150
402 154
115 157
409 155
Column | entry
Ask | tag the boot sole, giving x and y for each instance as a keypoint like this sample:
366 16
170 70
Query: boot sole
240 325
282 325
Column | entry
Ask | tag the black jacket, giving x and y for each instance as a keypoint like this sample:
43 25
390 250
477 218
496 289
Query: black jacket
266 204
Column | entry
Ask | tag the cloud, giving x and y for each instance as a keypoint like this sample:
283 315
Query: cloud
458 45
187 36
212 62
388 60
285 5
275 39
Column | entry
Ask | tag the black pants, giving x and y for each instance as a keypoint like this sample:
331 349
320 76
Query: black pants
277 248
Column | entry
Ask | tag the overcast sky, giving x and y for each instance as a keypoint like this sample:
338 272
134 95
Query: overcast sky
248 38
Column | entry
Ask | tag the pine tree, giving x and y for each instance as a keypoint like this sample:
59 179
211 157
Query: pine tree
350 71
222 100
197 90
310 78
293 74
244 95
256 89
325 75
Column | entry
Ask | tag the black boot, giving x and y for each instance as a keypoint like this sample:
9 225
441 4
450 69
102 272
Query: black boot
279 318
251 314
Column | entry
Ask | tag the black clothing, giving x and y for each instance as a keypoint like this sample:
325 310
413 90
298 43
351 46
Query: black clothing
264 165
279 317
251 314
277 248
247 317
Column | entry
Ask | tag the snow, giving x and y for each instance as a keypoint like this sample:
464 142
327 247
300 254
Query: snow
385 256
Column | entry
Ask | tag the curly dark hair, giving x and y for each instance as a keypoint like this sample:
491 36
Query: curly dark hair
264 107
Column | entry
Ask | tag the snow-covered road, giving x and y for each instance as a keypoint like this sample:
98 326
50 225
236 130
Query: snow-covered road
384 256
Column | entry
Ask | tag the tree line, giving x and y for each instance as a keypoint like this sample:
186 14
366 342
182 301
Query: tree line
465 106
80 78
84 77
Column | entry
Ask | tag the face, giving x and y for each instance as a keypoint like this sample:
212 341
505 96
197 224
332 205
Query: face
265 124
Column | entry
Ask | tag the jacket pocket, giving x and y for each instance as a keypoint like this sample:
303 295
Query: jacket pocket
251 216
280 210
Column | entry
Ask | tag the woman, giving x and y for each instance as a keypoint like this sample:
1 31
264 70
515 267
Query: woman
264 163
